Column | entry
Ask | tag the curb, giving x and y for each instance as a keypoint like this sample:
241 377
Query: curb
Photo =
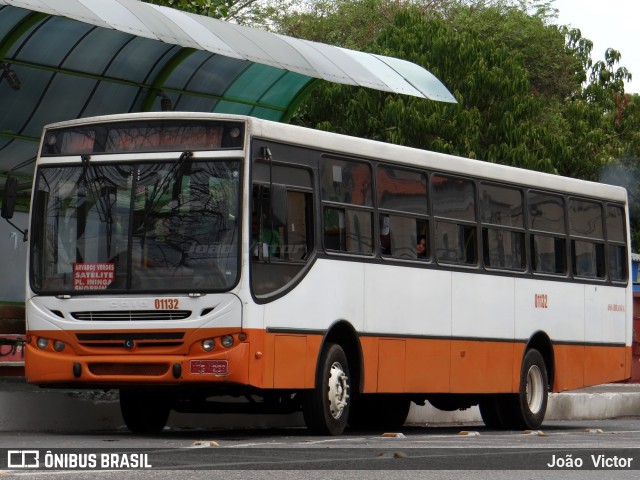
615 401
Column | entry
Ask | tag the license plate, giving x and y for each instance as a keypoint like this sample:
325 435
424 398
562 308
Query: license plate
209 367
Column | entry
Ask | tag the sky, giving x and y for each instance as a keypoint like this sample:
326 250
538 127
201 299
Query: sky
607 23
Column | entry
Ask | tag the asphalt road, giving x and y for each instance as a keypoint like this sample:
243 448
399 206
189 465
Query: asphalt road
603 449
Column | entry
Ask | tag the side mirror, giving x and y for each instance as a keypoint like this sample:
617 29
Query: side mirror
9 198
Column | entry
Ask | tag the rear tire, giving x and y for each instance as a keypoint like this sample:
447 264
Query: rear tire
144 412
526 409
326 407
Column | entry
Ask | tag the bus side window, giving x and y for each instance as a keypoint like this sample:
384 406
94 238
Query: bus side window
502 216
281 236
281 226
404 230
405 237
348 230
548 254
587 259
503 249
586 227
548 248
346 188
616 244
298 233
265 231
455 233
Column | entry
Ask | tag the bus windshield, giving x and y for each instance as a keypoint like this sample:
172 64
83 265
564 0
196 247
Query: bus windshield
148 227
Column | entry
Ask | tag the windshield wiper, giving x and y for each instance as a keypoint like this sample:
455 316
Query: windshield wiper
160 190
100 188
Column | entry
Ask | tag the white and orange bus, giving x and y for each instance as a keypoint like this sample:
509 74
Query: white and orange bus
179 257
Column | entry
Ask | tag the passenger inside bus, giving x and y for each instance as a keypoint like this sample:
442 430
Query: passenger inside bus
421 248
385 236
265 241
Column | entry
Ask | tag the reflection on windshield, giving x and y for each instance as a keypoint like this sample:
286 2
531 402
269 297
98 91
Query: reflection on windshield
160 227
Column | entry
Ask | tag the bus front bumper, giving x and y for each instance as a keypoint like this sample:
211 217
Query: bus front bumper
49 368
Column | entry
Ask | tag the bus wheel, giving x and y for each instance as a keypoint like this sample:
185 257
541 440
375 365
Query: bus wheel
143 412
527 408
326 407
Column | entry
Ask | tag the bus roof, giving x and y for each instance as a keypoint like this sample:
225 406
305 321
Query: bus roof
371 149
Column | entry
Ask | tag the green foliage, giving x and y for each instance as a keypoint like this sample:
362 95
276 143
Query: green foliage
224 9
344 23
539 46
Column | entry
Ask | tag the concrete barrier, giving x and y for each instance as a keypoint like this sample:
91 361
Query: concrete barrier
603 401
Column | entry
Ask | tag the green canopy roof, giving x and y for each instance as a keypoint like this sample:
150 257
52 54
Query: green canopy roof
68 59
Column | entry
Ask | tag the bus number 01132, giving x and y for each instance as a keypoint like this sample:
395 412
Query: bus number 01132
167 303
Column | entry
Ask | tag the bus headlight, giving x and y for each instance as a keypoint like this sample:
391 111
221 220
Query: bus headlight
227 341
42 343
208 344
58 345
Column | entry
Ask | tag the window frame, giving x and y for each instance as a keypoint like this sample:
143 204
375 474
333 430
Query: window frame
534 233
611 244
486 226
596 242
404 213
346 208
472 225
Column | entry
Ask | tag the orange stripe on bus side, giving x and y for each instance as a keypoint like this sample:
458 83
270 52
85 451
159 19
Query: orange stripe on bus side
295 358
578 365
439 365
466 366
395 365
283 360
604 364
569 367
482 367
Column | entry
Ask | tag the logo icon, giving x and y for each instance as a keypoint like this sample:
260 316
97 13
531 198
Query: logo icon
23 459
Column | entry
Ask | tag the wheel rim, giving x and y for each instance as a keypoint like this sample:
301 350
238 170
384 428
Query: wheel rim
338 390
535 389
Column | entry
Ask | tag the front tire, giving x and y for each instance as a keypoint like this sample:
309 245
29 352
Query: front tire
326 407
144 412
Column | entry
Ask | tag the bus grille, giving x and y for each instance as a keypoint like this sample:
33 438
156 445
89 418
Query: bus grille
131 369
140 339
131 315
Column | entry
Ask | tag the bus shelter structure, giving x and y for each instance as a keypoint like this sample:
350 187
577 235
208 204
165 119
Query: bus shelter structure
61 60
79 58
